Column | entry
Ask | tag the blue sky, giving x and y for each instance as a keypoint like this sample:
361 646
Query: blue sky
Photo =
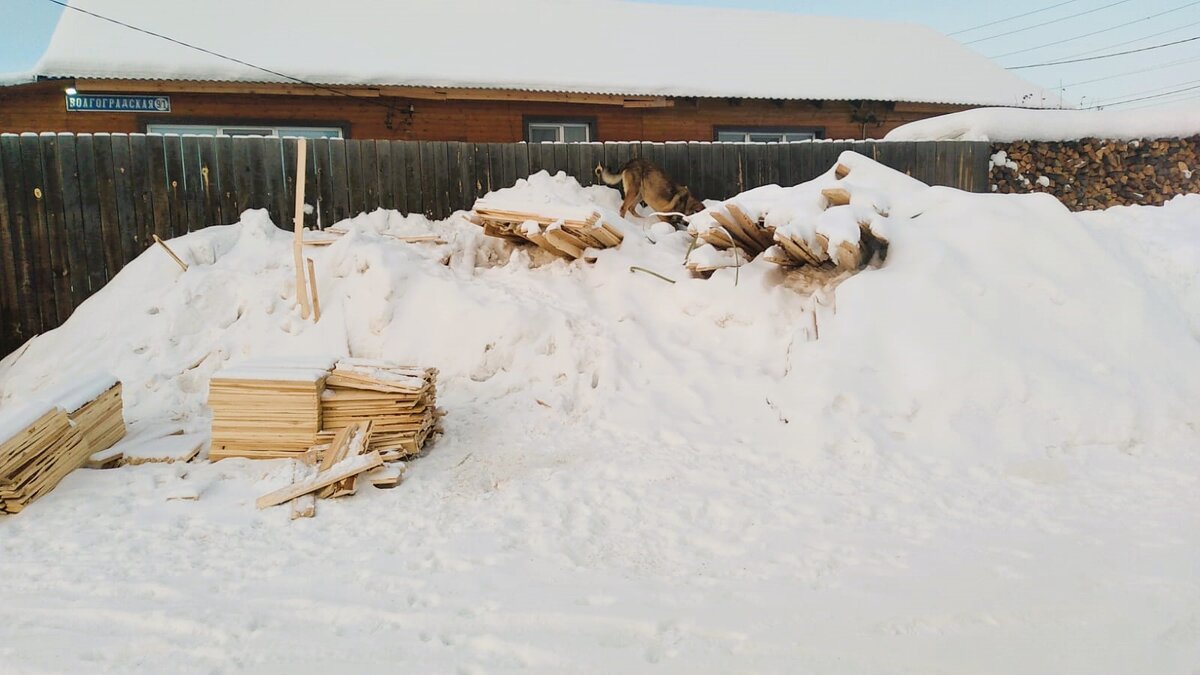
26 25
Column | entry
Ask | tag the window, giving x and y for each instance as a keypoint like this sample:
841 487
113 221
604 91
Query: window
767 134
559 130
247 130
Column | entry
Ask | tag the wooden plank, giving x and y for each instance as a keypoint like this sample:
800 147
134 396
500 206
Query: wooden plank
94 235
84 247
10 311
227 180
387 183
288 150
156 158
981 155
454 192
323 194
62 242
207 183
399 175
441 179
425 151
575 162
312 191
496 167
35 187
340 180
370 175
125 191
274 181
354 175
18 190
560 159
466 175
338 472
521 160
143 190
176 184
413 185
195 179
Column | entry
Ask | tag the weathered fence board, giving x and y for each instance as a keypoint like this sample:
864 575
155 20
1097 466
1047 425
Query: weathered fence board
75 209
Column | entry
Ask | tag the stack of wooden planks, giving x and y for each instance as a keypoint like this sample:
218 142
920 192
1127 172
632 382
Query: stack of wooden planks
399 400
42 441
266 408
566 232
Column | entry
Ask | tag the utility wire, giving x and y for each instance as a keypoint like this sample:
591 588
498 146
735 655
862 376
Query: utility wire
1105 101
1047 23
1143 98
1181 99
210 52
1097 32
1132 72
1129 42
1019 16
1105 56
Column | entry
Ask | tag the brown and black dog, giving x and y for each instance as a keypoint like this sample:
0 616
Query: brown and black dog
645 182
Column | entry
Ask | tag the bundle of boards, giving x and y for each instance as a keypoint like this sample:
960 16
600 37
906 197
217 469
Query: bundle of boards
44 440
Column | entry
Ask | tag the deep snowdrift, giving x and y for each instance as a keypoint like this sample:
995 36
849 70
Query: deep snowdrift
981 456
1005 125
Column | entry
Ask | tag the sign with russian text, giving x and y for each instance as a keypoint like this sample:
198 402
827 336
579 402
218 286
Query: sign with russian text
117 103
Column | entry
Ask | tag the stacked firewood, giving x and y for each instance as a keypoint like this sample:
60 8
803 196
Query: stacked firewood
1095 174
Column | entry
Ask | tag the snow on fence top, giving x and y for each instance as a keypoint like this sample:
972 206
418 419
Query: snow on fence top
1006 125
580 46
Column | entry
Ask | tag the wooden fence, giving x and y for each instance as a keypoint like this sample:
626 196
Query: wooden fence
74 209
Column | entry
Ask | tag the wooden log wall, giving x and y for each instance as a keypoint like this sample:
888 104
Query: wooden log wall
74 209
1095 174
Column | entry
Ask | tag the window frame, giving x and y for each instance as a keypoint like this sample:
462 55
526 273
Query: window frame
529 121
275 126
817 132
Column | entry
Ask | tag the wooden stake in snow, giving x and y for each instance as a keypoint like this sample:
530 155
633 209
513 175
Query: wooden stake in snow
312 287
351 466
297 247
182 265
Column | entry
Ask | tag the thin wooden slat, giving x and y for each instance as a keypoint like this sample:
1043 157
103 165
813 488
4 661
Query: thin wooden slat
425 166
61 251
560 158
440 185
207 183
339 181
227 179
354 176
399 175
107 204
534 151
94 238
288 148
496 167
82 250
176 184
521 160
18 190
10 311
193 184
575 161
466 171
370 175
35 189
413 179
312 188
275 183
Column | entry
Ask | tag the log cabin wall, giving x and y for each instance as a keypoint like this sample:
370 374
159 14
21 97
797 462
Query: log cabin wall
40 107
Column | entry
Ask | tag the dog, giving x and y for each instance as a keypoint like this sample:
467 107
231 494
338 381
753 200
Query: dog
644 181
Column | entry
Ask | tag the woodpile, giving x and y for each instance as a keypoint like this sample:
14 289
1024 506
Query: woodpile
41 442
749 237
1092 174
269 409
564 232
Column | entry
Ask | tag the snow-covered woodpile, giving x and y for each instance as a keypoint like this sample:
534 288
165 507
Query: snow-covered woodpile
567 235
43 441
1092 173
271 408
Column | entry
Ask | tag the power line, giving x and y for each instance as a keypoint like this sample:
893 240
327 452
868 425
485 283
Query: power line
1144 98
1181 99
1101 102
1105 56
1047 23
1019 16
1129 42
1132 72
181 43
1097 32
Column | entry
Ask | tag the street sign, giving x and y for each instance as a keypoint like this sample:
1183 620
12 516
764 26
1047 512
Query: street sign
117 103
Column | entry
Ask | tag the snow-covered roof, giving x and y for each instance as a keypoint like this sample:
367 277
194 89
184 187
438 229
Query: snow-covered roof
578 46
1004 125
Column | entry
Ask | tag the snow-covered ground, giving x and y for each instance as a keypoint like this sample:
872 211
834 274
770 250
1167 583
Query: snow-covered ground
1005 125
986 462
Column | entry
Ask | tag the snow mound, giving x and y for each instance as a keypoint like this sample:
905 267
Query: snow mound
1006 125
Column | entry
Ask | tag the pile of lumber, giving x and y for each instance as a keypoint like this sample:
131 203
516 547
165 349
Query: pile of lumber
42 441
400 401
750 236
266 409
564 231
1093 173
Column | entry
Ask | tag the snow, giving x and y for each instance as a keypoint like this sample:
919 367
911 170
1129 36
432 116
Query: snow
71 394
166 448
17 416
985 463
559 196
454 43
1005 125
